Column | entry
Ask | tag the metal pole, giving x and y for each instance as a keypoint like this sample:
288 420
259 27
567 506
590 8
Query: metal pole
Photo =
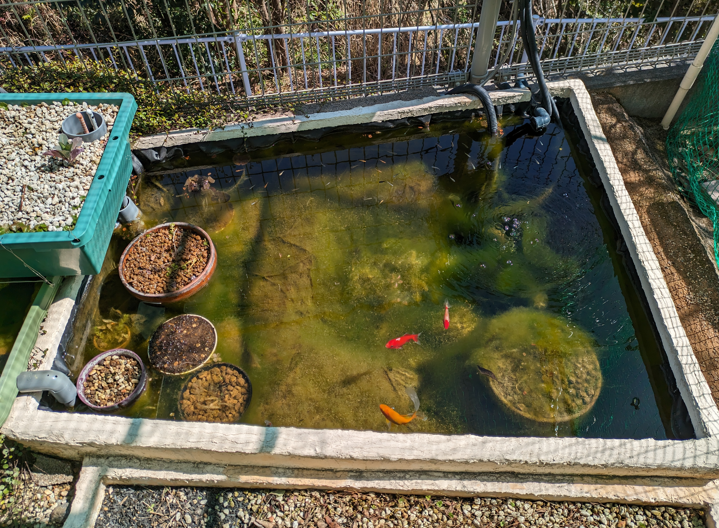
691 74
485 39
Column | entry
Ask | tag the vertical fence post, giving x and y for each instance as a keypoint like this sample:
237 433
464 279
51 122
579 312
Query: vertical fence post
243 66
485 39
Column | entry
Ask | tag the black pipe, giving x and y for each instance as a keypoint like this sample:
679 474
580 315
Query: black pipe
481 93
526 28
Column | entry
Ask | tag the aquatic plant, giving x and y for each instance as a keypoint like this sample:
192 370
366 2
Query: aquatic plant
510 257
384 278
113 333
539 365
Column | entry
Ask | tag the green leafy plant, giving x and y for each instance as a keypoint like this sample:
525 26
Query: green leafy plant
161 108
10 469
66 150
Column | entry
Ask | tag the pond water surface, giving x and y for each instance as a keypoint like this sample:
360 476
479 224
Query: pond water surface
15 299
332 248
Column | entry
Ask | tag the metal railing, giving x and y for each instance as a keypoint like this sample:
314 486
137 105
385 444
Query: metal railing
273 64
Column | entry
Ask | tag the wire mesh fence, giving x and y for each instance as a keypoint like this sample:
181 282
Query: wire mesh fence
282 50
692 145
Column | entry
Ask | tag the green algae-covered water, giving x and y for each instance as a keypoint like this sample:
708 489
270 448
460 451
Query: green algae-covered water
329 249
15 300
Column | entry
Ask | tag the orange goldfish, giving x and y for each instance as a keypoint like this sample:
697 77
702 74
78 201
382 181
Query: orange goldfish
394 417
399 342
446 315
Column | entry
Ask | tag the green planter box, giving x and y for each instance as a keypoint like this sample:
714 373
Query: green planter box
82 250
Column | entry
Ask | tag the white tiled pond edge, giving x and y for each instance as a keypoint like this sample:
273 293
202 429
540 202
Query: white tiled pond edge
78 436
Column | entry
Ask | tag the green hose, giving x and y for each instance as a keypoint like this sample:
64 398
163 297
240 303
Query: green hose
24 343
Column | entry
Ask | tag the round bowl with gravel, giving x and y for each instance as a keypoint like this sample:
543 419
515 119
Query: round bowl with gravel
112 380
168 263
216 393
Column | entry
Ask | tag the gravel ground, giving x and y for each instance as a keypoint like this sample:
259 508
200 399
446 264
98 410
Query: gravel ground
36 506
37 189
138 507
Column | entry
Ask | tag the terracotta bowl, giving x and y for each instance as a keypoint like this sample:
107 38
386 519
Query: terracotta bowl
183 293
134 395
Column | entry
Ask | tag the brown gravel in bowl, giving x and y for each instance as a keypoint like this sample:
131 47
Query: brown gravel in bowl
166 260
218 394
112 381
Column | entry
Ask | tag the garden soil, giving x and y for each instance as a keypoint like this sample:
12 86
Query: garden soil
182 344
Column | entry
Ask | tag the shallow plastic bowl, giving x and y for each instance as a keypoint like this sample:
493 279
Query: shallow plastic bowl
134 395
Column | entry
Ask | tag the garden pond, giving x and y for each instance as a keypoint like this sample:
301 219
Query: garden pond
329 248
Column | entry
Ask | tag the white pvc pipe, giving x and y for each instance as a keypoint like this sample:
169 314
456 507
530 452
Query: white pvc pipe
691 74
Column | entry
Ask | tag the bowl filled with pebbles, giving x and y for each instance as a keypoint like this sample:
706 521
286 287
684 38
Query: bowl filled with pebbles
112 380
217 393
168 263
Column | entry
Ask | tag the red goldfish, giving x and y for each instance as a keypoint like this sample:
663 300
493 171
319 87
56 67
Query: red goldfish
401 419
400 341
446 315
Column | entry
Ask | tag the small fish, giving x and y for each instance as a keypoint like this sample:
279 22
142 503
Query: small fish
487 372
446 315
394 417
401 341
268 423
635 403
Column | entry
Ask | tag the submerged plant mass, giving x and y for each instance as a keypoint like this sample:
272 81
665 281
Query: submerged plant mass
539 365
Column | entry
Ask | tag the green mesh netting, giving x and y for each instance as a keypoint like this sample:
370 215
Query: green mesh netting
693 144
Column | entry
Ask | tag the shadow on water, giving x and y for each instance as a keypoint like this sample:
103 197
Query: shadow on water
15 298
332 248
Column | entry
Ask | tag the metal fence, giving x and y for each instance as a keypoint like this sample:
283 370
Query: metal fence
356 53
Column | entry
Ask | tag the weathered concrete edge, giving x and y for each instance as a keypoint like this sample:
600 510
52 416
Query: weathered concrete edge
76 436
97 473
690 380
689 493
356 116
88 497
